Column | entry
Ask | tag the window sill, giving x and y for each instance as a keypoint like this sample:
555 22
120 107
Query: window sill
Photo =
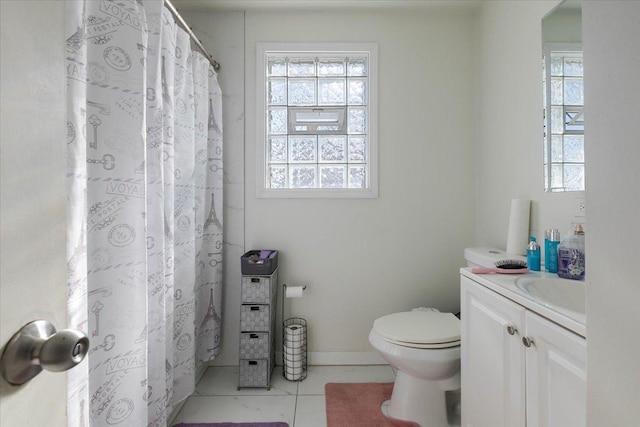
324 193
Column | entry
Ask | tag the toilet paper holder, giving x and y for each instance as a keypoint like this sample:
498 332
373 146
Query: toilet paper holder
294 344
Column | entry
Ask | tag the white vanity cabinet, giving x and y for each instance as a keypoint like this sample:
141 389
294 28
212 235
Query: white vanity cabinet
518 368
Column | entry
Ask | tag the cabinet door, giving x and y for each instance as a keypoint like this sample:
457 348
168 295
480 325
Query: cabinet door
556 375
492 359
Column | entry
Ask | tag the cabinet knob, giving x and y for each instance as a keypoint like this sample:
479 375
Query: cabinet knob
528 342
512 330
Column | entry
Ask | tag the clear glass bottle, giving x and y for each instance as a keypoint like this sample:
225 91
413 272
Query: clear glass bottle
571 257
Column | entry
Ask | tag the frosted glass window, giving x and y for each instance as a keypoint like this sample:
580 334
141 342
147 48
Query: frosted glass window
557 148
278 149
302 176
557 91
302 148
357 149
557 121
573 92
277 92
573 178
332 148
318 114
277 121
574 148
357 67
556 65
573 66
277 67
357 120
302 92
357 91
278 177
302 67
333 176
331 92
357 177
331 67
557 178
564 118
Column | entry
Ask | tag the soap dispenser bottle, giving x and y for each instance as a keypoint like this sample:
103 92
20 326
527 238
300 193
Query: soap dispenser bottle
533 255
551 251
571 259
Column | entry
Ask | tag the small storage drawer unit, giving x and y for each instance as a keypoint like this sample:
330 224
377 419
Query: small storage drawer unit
255 317
254 345
257 330
256 290
254 373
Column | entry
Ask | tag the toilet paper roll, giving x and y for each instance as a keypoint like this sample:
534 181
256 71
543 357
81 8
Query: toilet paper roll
293 367
294 291
288 349
292 354
518 234
294 336
293 376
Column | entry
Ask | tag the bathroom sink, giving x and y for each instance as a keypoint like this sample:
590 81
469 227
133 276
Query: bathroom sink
555 293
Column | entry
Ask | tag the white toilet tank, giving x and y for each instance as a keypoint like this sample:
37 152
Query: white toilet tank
487 257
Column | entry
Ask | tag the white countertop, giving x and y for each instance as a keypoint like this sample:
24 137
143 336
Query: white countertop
505 285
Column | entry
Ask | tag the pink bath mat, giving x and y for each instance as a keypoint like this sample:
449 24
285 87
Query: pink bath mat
277 424
358 405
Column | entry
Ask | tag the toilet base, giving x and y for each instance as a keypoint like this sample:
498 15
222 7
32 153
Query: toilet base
421 401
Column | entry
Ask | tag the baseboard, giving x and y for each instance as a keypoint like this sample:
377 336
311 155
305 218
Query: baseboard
340 358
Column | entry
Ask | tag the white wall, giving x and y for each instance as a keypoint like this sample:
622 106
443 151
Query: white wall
32 205
481 98
508 138
563 25
611 35
365 258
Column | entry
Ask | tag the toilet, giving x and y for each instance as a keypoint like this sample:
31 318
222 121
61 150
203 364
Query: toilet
424 348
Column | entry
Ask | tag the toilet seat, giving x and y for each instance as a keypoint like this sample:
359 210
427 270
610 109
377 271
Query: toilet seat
419 329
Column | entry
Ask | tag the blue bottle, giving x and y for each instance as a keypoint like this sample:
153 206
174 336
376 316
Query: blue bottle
547 242
533 255
551 253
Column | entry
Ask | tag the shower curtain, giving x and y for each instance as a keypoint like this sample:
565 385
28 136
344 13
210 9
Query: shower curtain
144 245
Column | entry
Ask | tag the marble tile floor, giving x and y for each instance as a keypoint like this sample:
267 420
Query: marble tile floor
298 403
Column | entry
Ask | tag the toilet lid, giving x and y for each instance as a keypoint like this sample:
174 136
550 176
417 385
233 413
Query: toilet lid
419 328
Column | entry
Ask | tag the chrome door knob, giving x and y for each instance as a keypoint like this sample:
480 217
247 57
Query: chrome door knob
512 330
37 346
63 350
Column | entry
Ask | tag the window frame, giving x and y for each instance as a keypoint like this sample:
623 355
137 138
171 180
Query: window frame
308 49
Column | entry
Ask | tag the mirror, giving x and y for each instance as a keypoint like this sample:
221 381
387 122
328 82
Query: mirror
563 99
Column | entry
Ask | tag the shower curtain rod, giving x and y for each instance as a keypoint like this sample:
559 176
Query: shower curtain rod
183 23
